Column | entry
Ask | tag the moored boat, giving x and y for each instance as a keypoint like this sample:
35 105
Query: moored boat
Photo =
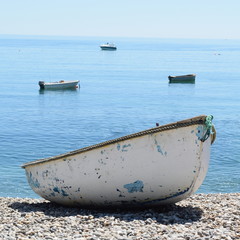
108 46
161 165
58 85
189 78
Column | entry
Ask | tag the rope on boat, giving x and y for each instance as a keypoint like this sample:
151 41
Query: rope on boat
214 134
203 120
210 130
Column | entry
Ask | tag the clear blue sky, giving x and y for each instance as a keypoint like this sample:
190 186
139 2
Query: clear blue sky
124 18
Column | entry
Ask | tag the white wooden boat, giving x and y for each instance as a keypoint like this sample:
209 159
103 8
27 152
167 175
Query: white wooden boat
189 78
161 165
58 85
108 46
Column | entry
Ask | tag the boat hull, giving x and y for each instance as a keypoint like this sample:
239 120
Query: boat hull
190 78
59 85
144 169
108 48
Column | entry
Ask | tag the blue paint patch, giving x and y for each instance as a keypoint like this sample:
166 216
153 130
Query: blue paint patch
125 146
64 193
32 182
60 191
159 148
199 133
55 189
137 186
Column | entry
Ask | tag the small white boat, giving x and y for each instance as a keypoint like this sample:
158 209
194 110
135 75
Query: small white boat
58 85
108 46
161 165
189 78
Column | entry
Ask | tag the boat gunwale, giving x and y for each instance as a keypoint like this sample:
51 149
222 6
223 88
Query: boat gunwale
180 76
179 124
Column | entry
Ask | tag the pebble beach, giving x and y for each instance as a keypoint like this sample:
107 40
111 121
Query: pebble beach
202 216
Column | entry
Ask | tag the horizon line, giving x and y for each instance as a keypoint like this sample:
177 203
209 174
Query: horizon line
137 37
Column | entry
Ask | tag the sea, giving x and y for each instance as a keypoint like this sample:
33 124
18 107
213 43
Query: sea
121 92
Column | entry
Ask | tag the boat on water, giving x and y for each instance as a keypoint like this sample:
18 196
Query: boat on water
189 78
108 46
59 85
160 165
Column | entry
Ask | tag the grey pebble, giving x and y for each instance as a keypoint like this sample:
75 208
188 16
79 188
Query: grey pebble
202 216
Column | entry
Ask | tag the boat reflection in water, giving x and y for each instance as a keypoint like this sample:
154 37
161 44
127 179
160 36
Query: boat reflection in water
59 91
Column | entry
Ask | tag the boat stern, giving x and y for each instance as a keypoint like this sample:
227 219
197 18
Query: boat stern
41 84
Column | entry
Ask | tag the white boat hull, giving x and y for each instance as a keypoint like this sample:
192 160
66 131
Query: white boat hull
159 167
59 85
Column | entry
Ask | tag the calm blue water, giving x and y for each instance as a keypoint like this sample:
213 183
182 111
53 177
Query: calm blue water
121 92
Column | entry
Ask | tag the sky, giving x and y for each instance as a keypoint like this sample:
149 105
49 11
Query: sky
205 19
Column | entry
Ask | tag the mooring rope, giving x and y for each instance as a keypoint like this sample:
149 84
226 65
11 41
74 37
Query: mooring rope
210 130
